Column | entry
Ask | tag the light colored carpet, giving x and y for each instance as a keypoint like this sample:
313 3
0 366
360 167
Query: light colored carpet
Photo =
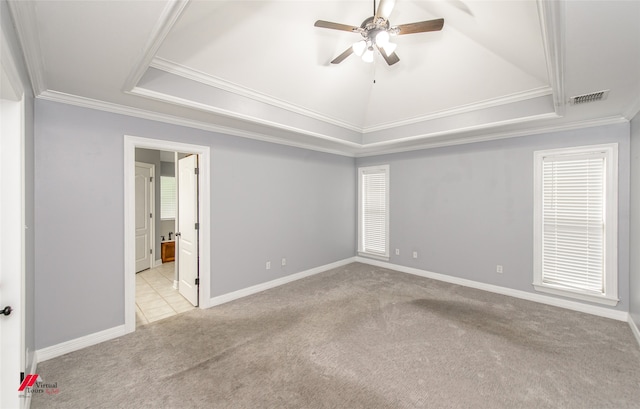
359 337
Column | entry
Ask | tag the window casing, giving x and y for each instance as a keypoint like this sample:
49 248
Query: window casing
576 222
373 212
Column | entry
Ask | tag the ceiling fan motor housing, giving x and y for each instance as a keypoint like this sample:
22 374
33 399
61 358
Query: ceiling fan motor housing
371 30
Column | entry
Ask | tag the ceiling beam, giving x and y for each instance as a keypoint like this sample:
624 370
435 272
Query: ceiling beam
552 22
168 18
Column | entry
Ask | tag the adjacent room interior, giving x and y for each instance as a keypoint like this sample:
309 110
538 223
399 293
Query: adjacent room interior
385 203
156 202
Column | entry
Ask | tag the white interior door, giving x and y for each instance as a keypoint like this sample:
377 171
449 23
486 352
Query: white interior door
144 216
12 244
187 235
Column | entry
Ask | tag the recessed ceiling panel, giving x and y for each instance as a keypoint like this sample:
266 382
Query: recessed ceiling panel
271 50
260 69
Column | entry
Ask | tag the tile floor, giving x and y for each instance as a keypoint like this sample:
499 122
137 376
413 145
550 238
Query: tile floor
155 296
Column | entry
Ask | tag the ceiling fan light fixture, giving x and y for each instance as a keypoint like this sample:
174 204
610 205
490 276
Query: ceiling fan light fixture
377 31
368 55
359 47
389 48
382 38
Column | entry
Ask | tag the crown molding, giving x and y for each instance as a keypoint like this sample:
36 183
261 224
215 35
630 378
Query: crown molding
212 81
469 129
552 18
202 78
83 102
382 148
216 82
23 14
208 108
485 137
168 18
391 146
463 109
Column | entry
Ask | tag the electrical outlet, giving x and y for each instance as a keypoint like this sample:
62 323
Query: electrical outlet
499 269
284 261
415 254
268 266
397 252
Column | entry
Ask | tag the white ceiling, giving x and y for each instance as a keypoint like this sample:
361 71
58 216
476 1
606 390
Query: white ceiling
260 69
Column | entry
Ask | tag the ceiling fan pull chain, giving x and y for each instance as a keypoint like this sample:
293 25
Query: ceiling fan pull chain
374 69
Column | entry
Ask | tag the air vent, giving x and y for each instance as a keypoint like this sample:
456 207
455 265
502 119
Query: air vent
592 97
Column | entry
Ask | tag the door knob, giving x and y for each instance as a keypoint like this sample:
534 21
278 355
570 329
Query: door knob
6 310
178 234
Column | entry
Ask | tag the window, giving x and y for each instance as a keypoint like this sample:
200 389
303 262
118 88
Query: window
373 212
167 197
575 222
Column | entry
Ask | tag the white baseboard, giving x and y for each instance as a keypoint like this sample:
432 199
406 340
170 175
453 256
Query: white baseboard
62 348
54 351
221 299
175 284
543 299
157 263
634 329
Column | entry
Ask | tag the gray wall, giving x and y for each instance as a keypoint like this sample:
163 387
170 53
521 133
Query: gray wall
268 201
9 34
153 157
167 169
466 209
634 273
166 227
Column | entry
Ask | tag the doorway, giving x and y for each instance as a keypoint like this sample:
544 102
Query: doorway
201 234
166 284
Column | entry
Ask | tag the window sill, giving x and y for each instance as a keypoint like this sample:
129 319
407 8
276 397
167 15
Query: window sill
600 299
374 256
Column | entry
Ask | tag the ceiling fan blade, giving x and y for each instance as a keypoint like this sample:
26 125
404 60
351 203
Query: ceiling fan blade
336 26
421 27
385 7
390 59
342 56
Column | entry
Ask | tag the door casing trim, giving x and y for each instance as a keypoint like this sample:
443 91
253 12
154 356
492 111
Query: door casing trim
204 209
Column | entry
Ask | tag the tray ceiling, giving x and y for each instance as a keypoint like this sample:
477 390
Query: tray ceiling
260 69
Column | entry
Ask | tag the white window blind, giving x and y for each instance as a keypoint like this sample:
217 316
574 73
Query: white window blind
573 222
168 196
374 211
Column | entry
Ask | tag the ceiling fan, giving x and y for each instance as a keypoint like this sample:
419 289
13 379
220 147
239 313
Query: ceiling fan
376 32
